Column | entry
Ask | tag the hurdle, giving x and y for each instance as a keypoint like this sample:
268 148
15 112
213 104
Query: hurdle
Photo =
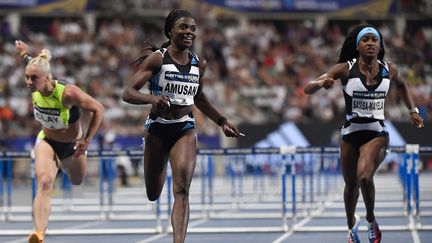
7 157
329 166
108 173
237 182
313 179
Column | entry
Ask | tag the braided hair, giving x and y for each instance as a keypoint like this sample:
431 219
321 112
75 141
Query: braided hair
145 52
349 47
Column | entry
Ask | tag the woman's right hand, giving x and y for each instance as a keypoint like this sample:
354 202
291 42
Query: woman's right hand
322 82
161 103
326 83
21 46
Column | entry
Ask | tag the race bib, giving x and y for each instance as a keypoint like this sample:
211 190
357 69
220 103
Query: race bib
180 87
49 118
368 104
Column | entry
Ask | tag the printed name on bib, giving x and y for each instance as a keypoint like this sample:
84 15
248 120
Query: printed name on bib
181 89
49 117
46 118
182 83
368 103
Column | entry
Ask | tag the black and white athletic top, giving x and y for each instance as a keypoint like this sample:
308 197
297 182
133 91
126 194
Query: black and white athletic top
178 82
365 101
364 104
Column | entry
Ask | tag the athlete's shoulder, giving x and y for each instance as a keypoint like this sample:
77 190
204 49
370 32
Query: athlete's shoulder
63 82
391 66
342 67
393 70
154 61
195 57
198 61
339 70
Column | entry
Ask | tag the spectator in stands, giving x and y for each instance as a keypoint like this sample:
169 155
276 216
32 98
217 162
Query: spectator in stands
365 78
175 76
62 143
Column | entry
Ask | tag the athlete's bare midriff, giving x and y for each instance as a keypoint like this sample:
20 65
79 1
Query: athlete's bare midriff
173 112
67 135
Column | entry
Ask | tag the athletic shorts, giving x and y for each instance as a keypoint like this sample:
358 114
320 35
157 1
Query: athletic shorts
357 134
169 131
62 150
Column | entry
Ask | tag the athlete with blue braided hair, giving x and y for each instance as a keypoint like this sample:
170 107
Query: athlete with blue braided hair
365 78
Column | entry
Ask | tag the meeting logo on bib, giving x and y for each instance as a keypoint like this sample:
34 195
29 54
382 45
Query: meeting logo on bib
181 77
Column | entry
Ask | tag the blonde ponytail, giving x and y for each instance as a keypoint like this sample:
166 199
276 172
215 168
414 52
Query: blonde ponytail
45 54
42 61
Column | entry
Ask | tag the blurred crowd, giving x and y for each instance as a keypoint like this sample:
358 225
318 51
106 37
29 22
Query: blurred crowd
255 74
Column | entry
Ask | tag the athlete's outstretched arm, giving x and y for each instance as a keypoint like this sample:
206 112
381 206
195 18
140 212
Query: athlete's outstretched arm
406 95
327 80
203 104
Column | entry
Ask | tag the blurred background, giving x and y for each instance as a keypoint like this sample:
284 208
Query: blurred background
260 54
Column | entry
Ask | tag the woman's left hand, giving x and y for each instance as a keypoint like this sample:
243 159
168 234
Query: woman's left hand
81 147
417 120
230 130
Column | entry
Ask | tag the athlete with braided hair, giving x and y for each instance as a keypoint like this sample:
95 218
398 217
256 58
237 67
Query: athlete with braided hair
175 76
365 78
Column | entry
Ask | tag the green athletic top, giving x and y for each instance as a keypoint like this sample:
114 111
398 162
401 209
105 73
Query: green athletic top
49 110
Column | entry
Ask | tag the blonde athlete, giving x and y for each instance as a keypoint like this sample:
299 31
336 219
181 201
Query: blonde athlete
62 143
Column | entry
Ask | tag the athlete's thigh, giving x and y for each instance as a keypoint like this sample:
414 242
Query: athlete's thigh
75 167
45 160
348 159
155 159
372 154
183 158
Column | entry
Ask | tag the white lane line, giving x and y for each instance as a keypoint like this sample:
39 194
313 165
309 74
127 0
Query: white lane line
415 236
304 221
156 237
